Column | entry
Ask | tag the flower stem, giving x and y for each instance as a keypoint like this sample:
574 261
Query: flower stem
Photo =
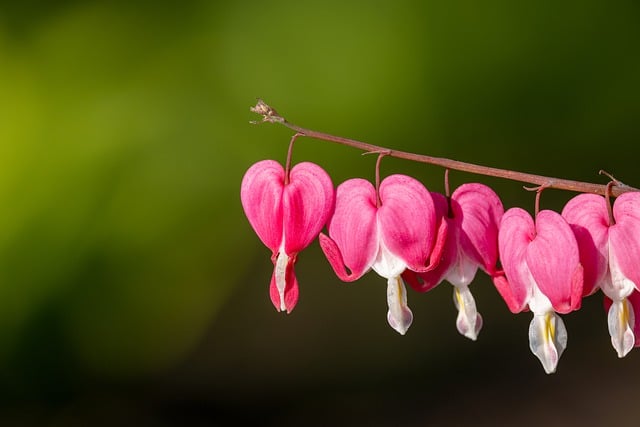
270 115
378 161
287 165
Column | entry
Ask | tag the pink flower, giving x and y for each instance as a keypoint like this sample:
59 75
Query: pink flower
610 254
542 273
389 232
287 215
472 243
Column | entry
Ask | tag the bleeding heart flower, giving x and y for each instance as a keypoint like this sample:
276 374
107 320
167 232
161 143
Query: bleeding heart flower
542 272
387 232
472 243
610 253
287 213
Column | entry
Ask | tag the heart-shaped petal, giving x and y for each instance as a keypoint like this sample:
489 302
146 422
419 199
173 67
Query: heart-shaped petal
517 231
425 281
261 197
407 220
589 220
353 230
624 242
308 201
554 262
478 210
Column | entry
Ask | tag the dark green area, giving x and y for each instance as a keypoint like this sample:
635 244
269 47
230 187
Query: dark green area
133 290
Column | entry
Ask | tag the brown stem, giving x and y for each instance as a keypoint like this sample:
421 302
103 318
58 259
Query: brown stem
287 165
537 205
447 193
446 183
270 115
610 185
378 161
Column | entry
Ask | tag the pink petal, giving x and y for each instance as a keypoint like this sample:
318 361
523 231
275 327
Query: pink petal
514 302
334 256
634 299
554 262
442 230
353 230
479 210
291 291
517 231
261 197
588 217
308 201
624 237
425 281
408 220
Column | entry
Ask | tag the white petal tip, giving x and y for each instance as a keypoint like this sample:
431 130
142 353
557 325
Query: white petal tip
547 339
469 329
401 324
620 319
469 321
550 369
399 315
623 345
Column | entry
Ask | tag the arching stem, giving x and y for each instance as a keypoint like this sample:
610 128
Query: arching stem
378 161
270 115
287 165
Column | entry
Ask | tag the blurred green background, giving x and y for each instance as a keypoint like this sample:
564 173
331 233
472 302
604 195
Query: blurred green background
133 290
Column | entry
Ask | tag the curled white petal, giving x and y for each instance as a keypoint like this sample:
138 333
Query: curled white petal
617 286
399 316
469 321
620 319
462 271
386 263
281 274
547 339
538 302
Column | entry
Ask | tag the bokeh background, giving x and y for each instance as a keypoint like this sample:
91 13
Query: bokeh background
133 290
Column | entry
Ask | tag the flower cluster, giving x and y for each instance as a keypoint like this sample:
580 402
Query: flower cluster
544 263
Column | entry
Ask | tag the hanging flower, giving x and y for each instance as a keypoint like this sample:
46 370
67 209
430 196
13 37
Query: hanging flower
542 273
387 231
287 213
610 252
472 243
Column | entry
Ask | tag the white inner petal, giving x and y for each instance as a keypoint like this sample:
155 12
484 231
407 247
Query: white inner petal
399 316
462 271
620 320
469 321
547 339
387 264
538 302
281 274
620 286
